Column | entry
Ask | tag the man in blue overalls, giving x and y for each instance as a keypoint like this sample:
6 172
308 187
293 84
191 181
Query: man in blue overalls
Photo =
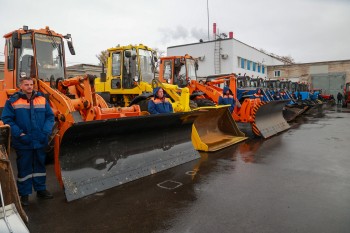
31 119
159 104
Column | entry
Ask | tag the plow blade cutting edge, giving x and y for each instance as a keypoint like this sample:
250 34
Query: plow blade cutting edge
269 118
98 155
215 129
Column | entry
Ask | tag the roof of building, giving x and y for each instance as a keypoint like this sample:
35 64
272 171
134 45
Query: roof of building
211 41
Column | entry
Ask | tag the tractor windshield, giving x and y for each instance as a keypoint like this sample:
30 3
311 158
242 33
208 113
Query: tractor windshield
254 83
285 85
49 54
242 82
146 65
191 69
273 84
130 69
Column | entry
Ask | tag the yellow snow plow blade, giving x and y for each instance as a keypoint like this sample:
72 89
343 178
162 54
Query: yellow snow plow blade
215 129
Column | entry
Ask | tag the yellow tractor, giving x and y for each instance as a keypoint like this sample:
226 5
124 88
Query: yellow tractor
130 71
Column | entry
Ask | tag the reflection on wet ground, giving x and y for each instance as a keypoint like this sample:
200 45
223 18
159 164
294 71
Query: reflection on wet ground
296 181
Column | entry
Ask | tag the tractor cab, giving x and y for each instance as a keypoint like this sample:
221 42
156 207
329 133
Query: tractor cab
35 53
178 70
130 71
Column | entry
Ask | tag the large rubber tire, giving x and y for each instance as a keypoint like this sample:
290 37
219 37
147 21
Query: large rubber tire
50 157
143 104
204 102
193 104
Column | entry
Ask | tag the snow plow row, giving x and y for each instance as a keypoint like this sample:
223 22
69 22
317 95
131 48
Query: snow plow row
97 145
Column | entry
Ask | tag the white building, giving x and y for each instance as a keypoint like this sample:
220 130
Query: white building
223 56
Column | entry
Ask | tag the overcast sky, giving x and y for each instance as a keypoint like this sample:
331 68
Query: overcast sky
306 30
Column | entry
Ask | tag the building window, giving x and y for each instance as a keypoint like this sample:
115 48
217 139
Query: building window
248 64
242 63
254 66
277 73
259 67
263 69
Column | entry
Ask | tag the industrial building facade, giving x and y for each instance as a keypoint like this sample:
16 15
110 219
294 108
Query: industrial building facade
223 56
330 76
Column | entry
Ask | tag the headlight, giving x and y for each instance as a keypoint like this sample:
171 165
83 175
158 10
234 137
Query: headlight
136 79
23 74
168 80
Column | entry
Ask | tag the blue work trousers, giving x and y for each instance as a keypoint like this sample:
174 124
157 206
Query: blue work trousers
31 170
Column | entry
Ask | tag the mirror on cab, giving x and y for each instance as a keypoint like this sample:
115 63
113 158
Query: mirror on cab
71 48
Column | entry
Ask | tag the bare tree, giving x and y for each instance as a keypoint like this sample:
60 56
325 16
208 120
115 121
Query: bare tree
262 50
287 59
102 57
160 53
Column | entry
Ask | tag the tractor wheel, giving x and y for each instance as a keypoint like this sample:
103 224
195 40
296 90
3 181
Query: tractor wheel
50 158
143 104
193 104
204 102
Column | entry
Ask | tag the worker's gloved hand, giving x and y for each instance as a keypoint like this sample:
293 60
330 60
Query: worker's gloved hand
43 137
25 139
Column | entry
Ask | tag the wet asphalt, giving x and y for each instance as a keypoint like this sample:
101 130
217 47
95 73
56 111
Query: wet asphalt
296 181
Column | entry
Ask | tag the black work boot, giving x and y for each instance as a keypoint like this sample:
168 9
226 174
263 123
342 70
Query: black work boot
25 200
44 194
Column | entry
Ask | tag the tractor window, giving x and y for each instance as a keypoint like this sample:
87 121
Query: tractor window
130 70
180 75
253 83
116 64
49 54
191 69
146 65
26 58
10 54
167 70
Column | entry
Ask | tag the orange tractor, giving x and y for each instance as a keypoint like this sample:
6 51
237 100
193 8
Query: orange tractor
266 118
95 147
